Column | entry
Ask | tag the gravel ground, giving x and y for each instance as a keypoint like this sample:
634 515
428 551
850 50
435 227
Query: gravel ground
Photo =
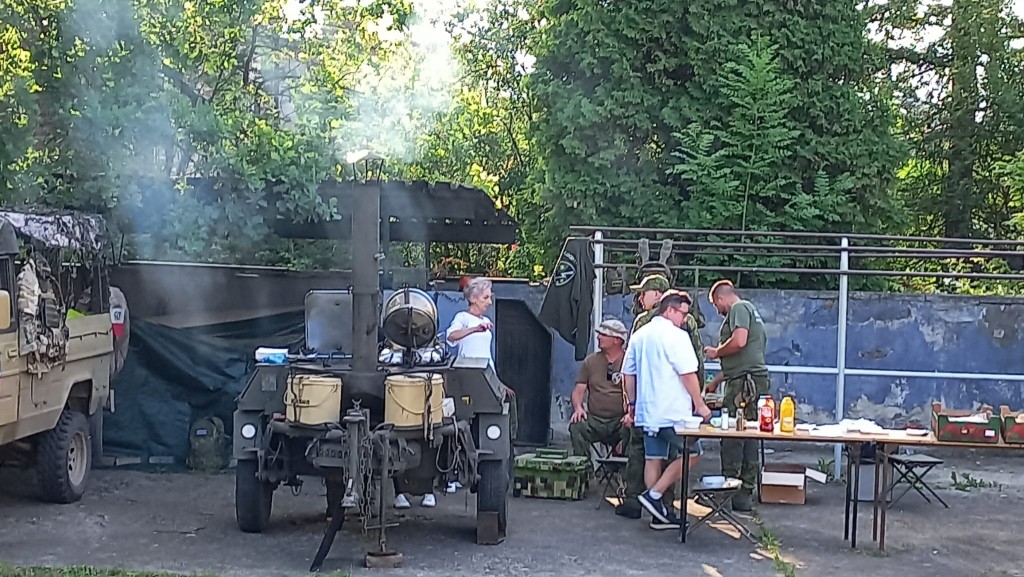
184 522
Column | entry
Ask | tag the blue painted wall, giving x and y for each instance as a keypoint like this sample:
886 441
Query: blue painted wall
885 331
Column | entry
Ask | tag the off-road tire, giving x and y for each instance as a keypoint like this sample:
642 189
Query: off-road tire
254 498
64 459
492 491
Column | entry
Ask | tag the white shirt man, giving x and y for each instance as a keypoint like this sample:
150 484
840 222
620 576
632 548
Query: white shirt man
660 373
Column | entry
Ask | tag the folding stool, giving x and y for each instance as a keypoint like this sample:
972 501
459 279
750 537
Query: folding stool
719 500
907 467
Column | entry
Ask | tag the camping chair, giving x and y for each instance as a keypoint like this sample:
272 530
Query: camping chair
719 501
907 467
608 471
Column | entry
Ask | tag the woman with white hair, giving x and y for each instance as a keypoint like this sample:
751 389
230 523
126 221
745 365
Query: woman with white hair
471 333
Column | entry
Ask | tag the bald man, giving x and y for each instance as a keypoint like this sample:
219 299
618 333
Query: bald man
741 350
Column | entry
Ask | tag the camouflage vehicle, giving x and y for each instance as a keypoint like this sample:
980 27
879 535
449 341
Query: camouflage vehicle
57 346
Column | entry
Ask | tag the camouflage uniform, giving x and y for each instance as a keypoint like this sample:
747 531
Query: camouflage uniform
634 473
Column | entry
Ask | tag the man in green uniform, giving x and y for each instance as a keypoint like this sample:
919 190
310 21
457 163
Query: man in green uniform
650 290
741 351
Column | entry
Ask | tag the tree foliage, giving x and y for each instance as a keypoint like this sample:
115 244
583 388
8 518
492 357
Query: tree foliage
896 117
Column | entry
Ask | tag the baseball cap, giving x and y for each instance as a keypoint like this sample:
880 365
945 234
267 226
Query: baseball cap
651 282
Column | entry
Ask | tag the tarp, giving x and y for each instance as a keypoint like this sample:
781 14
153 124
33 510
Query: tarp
175 376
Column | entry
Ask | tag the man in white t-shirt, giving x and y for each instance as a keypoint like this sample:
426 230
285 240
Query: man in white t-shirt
660 377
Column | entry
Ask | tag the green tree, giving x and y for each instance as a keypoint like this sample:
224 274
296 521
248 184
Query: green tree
620 84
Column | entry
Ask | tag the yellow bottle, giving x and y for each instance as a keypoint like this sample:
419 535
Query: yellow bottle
787 415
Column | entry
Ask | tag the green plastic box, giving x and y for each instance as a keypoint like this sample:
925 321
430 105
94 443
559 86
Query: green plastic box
552 474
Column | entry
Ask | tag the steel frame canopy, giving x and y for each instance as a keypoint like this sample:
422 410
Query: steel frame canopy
415 211
795 245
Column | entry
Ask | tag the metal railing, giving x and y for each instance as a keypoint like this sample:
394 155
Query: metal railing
845 247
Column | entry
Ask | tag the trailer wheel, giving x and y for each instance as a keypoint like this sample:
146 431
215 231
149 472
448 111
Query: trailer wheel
64 459
492 492
253 498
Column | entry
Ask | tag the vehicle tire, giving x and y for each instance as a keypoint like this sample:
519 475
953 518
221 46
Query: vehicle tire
64 459
253 498
492 492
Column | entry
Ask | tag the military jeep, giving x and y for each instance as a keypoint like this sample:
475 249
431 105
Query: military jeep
56 347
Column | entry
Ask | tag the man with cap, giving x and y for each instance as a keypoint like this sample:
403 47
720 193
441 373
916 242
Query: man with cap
741 350
599 382
649 292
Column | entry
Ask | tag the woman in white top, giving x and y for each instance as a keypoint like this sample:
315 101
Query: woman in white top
472 334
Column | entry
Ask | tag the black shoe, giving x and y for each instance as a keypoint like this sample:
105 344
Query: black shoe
672 524
655 507
629 511
743 502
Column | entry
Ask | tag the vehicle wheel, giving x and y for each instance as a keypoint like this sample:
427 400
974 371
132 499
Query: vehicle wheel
253 498
64 458
492 493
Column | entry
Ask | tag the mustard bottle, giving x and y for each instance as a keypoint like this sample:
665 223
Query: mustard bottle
787 415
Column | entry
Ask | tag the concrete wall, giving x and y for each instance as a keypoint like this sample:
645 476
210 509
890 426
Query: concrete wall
886 331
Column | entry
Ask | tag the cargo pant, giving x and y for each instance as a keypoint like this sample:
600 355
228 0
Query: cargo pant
596 430
740 459
634 474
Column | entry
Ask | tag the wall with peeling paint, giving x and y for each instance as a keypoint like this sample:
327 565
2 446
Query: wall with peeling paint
885 331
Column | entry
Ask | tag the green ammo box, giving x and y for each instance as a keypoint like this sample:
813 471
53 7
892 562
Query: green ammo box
552 474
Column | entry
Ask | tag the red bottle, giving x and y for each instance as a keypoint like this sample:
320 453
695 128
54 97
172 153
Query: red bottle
766 414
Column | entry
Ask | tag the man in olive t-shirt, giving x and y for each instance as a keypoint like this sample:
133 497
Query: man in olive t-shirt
741 350
599 381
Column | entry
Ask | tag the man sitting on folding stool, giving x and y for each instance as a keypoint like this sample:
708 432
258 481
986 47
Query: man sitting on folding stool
599 382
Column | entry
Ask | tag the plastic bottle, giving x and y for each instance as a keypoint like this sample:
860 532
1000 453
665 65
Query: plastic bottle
766 414
724 425
787 415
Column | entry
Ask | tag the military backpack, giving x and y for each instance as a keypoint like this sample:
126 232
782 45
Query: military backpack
208 445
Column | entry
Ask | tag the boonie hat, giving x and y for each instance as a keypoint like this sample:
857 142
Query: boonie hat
651 282
613 328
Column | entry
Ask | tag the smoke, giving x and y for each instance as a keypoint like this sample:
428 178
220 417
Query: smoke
394 100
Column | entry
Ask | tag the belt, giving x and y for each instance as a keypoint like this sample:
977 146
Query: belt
748 393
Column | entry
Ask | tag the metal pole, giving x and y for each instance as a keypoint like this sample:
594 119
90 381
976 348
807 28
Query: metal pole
598 309
844 300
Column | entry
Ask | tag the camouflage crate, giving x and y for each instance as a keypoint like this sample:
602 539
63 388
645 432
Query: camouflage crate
552 474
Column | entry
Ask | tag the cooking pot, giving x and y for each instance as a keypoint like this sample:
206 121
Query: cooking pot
409 318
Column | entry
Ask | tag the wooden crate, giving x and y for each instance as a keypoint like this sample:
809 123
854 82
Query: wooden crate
988 433
1013 425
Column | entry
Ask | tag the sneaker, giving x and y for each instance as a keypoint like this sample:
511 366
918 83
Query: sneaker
401 502
673 523
429 500
656 508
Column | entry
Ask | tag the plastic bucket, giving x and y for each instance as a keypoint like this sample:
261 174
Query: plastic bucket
313 399
405 399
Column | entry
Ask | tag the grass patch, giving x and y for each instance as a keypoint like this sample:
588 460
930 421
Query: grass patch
771 545
11 571
965 482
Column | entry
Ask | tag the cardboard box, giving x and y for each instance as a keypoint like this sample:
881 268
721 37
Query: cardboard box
784 483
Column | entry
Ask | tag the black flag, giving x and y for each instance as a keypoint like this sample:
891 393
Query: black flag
569 300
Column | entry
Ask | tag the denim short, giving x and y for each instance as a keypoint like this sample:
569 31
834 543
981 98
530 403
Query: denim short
666 442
